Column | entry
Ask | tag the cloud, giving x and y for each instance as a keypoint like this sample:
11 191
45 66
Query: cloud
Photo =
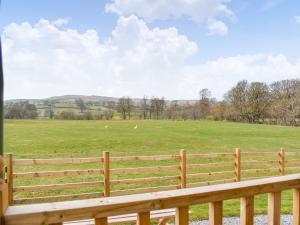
44 59
297 19
61 21
199 11
217 28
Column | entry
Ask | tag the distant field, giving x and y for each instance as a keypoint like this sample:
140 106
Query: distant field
46 138
40 137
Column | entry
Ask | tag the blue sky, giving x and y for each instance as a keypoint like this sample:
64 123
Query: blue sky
254 28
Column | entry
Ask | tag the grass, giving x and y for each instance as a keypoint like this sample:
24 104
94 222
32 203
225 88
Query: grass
45 138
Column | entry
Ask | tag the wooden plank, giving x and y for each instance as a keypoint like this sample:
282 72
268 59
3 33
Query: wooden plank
247 210
259 154
182 168
209 155
182 215
143 218
260 171
213 182
106 174
151 169
292 161
296 206
237 165
209 165
259 162
216 213
58 186
274 205
24 162
101 221
38 214
57 198
210 174
10 178
144 158
144 180
58 173
144 190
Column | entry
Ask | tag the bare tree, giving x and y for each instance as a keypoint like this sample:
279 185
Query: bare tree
80 104
145 108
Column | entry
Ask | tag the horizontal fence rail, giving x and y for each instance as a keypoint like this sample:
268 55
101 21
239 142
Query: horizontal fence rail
181 170
101 209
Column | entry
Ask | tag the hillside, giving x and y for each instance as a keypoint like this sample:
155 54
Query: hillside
92 102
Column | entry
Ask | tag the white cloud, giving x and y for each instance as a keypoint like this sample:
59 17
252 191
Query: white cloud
199 11
217 28
43 60
297 19
61 21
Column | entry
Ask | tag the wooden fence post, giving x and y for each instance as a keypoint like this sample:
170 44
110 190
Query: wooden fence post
106 174
10 178
101 221
143 218
274 206
182 168
237 164
3 191
216 213
182 215
296 206
247 210
281 161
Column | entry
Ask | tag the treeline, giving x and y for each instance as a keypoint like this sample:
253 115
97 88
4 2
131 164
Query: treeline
251 102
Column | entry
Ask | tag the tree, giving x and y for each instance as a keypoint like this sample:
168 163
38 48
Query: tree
237 97
80 104
145 107
20 110
129 106
258 101
204 103
122 107
285 101
49 111
157 106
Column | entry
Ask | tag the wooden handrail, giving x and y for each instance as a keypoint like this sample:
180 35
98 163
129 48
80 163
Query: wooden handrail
101 208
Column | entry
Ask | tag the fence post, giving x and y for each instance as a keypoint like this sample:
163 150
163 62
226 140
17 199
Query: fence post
10 178
3 191
237 164
106 174
182 168
281 161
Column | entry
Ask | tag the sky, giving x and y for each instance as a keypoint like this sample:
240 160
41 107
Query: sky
170 48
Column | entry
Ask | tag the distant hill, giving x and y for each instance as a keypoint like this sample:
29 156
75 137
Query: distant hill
93 102
70 99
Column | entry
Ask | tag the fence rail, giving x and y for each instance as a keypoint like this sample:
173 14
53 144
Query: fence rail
188 170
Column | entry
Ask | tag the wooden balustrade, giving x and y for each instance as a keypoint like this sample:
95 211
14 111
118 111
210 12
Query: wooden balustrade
100 209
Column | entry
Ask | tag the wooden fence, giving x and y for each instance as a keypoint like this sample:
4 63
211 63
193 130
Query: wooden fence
100 210
179 171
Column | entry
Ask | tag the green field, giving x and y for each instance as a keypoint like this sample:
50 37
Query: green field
45 138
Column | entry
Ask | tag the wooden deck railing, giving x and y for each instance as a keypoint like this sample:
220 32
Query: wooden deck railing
181 171
101 208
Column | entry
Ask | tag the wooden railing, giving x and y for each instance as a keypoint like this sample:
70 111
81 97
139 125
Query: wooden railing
181 171
101 208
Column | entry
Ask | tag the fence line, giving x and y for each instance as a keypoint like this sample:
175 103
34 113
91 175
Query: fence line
184 177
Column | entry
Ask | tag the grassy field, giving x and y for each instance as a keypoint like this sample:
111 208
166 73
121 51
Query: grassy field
44 138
